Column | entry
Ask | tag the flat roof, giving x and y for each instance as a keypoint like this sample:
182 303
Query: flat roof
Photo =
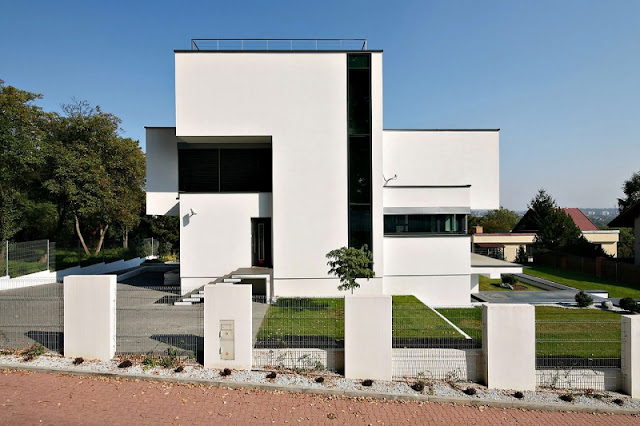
479 261
441 130
276 51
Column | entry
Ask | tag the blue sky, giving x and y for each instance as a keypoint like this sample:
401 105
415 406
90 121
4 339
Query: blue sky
560 78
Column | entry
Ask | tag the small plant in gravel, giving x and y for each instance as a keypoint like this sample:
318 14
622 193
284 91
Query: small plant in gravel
179 369
618 401
78 361
125 364
418 386
33 352
583 299
367 382
225 372
630 305
320 379
590 393
518 395
567 397
271 375
469 391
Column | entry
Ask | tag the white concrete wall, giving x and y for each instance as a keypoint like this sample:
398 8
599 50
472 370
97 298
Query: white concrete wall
228 302
433 197
435 290
475 283
323 287
217 240
377 161
367 337
90 316
162 171
509 346
446 158
442 255
631 355
437 363
299 100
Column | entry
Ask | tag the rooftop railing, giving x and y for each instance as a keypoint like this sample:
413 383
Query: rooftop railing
278 44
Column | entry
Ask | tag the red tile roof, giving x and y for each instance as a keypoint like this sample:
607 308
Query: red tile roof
581 221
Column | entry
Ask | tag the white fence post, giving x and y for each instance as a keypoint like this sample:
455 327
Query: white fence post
631 355
509 346
367 337
90 316
228 326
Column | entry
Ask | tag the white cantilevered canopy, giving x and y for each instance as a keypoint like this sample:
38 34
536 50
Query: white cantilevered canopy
493 268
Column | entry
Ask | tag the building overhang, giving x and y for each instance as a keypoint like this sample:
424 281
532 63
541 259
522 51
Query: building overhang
492 268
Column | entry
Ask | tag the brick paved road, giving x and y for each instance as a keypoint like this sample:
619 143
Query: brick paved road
39 398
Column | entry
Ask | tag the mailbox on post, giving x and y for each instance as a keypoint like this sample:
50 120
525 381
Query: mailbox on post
227 340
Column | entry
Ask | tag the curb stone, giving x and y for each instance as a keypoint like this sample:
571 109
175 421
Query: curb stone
475 401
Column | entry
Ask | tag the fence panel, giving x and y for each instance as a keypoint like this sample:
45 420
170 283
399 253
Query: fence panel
577 349
28 257
148 323
443 343
298 333
32 315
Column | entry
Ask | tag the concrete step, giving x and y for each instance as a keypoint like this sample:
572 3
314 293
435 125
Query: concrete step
182 303
197 296
232 280
192 299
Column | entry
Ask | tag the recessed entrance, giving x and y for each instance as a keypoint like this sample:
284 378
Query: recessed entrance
261 242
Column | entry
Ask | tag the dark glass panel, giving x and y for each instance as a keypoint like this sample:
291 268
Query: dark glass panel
198 170
360 226
245 170
358 61
359 102
360 170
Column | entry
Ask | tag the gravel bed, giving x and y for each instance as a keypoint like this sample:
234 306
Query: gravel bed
334 381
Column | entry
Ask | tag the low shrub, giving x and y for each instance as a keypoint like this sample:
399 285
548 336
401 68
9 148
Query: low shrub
33 352
179 369
567 397
320 379
618 401
630 305
509 279
518 395
125 364
470 391
583 299
367 382
271 375
225 372
418 386
78 361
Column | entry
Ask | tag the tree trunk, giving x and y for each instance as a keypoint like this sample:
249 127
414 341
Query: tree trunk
103 232
125 237
84 245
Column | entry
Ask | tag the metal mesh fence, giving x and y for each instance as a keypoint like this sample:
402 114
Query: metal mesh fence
442 343
26 257
298 333
150 247
577 348
32 315
147 322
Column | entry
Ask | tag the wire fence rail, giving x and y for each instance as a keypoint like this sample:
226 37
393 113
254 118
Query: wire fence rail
148 323
278 44
443 343
32 315
298 333
28 257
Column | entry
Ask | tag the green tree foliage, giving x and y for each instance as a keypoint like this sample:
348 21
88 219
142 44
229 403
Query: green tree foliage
631 189
21 134
94 173
348 263
583 299
501 220
626 248
521 256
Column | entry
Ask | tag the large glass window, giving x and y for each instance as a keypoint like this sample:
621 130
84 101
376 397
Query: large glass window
425 224
212 168
359 149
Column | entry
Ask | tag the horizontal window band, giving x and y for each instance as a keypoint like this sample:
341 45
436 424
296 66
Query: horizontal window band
426 235
426 210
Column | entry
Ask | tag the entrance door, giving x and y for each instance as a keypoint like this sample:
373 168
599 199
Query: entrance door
261 242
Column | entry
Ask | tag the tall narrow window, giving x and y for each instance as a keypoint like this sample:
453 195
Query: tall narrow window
359 149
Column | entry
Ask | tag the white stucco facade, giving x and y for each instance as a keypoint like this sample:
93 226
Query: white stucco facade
296 103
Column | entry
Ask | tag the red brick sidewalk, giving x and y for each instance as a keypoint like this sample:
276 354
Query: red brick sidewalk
40 398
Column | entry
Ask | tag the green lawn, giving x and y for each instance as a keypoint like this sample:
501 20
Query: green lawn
304 317
583 281
586 333
412 319
487 284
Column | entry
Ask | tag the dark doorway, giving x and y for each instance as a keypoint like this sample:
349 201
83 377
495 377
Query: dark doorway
261 242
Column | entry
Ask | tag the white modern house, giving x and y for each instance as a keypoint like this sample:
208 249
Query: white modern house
279 155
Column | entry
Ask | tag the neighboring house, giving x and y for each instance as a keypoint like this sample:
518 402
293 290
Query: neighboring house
278 157
630 218
506 244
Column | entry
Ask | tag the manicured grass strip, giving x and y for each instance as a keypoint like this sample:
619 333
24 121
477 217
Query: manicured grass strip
304 317
468 320
585 333
583 281
487 284
414 320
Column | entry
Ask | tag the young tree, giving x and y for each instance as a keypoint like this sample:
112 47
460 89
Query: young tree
631 189
555 229
521 256
348 263
93 171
